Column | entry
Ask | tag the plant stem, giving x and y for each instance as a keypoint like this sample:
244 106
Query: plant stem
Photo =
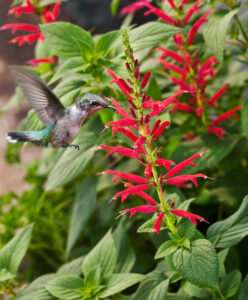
236 18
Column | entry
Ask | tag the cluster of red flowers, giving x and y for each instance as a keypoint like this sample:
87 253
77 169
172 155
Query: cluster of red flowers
136 127
47 14
192 73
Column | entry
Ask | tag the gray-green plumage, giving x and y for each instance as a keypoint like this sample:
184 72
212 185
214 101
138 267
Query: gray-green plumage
62 123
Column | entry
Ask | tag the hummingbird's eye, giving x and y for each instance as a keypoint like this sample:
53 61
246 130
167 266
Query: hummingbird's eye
93 103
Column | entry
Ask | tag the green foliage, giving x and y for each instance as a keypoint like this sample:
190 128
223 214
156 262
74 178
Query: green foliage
215 33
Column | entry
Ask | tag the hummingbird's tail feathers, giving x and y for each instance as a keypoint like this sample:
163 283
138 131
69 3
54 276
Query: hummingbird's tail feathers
14 137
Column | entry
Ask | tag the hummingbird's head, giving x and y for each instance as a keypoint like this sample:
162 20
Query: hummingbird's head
91 103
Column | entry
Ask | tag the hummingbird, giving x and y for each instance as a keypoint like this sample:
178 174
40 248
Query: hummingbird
61 123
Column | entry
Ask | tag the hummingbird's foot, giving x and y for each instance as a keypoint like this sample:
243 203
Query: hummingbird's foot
75 146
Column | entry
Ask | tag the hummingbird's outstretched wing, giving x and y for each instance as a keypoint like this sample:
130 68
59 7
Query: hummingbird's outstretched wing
45 103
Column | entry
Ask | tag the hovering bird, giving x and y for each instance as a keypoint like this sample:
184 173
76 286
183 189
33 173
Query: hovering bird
62 123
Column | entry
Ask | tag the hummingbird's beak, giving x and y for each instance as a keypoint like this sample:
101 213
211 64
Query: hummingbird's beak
109 106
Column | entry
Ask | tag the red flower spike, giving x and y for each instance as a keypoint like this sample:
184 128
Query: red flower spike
128 133
131 191
148 171
27 9
183 164
138 145
188 215
23 27
217 95
147 209
145 80
183 178
165 163
157 225
125 176
29 38
122 150
170 53
51 16
35 62
120 110
226 115
194 8
160 130
194 29
217 131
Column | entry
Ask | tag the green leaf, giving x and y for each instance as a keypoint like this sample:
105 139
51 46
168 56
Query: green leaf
13 252
82 209
6 275
199 265
148 225
42 49
222 257
244 289
125 254
151 34
47 2
230 284
244 117
71 65
222 226
64 38
160 291
215 32
165 249
73 267
153 89
147 286
186 228
217 150
65 287
118 282
105 42
73 162
36 290
103 254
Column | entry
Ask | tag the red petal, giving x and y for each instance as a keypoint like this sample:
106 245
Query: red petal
147 209
183 178
126 176
156 227
124 151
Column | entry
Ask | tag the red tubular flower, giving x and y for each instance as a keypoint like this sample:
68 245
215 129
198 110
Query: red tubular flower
138 145
189 136
157 225
159 13
145 80
29 38
133 7
194 29
124 151
172 4
217 95
173 67
27 9
160 130
120 109
131 191
165 163
226 115
183 164
184 178
217 131
188 215
120 82
122 122
183 107
128 133
126 176
170 53
35 62
147 209
51 16
193 9
199 111
143 195
23 27
148 171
